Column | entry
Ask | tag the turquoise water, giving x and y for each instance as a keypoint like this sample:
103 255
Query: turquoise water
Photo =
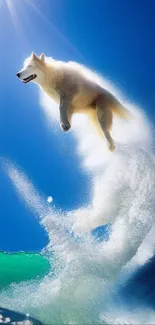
19 267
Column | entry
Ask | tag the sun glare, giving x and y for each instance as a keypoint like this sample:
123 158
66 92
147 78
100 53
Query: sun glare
19 13
11 7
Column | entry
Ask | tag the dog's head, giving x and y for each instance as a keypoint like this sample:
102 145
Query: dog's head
33 69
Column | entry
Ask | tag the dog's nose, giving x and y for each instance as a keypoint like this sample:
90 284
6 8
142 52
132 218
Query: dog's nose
18 74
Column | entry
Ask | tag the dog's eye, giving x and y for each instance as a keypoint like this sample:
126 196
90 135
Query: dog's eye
29 66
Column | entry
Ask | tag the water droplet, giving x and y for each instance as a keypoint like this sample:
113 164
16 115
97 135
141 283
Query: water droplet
49 199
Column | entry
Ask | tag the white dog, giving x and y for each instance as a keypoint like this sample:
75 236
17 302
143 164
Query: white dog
74 93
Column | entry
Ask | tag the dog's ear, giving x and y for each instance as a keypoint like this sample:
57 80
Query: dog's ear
42 58
34 56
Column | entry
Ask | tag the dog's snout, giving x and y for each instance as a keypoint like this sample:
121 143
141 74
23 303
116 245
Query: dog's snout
18 74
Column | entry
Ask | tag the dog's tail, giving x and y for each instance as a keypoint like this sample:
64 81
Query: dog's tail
120 111
116 106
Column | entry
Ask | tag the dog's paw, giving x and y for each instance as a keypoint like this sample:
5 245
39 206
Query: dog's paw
111 147
65 126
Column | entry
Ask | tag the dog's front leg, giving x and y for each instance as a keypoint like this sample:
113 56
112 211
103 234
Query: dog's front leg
64 113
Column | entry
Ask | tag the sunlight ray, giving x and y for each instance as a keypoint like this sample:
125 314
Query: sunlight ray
47 21
12 10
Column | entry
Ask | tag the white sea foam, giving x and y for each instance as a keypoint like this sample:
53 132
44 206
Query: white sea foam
81 289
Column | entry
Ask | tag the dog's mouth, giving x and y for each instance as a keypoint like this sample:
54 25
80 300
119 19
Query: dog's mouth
30 78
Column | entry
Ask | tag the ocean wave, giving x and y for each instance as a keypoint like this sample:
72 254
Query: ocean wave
88 272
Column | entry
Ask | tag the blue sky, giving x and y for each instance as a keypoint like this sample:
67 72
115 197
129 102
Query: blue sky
115 38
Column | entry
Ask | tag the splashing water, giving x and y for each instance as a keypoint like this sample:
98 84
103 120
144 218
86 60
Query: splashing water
83 287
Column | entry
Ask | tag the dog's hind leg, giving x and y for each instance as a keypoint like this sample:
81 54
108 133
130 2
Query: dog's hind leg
110 140
104 116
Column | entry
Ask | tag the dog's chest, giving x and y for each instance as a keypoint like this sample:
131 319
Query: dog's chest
54 94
